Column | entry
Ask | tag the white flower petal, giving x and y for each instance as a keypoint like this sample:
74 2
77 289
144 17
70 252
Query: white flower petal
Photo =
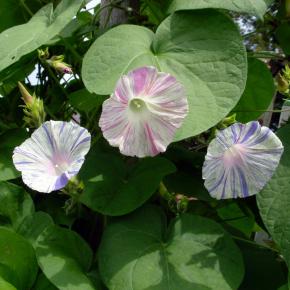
241 160
143 114
52 155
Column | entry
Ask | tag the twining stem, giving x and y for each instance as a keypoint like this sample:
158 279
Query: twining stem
271 111
255 244
22 2
266 54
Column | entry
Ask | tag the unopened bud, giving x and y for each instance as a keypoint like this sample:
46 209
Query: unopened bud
43 54
228 121
59 65
282 84
26 97
34 114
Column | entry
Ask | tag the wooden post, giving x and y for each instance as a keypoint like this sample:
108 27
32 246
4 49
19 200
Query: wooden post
112 16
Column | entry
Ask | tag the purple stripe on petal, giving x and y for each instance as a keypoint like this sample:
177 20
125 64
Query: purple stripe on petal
23 162
243 183
61 182
224 187
48 136
87 139
77 139
254 126
260 139
234 184
218 183
140 79
233 128
61 128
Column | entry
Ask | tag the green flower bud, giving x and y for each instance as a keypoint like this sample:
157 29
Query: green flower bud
34 114
59 65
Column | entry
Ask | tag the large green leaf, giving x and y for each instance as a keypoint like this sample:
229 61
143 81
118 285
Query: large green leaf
9 140
85 101
43 26
258 94
64 258
12 12
255 7
113 187
17 257
274 199
138 253
15 205
283 36
202 49
5 285
42 283
33 225
259 262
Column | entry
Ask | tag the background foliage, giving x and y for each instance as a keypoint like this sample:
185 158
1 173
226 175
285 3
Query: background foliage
146 224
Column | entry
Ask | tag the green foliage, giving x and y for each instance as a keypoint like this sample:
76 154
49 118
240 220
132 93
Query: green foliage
13 12
259 261
113 187
258 94
85 101
257 7
15 205
11 138
274 200
195 253
64 258
18 264
125 223
212 68
17 41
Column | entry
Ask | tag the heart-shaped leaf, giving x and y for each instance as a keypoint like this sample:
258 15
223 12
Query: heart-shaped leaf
255 7
43 26
64 258
15 205
202 49
138 253
113 187
17 259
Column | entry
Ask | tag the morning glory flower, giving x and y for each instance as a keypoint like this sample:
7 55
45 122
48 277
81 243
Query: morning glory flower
241 160
52 155
144 112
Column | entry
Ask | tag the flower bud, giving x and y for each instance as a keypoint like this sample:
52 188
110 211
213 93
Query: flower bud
26 97
34 114
43 54
228 121
59 65
282 84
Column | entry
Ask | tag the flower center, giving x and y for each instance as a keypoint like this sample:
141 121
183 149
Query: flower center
137 105
59 164
234 155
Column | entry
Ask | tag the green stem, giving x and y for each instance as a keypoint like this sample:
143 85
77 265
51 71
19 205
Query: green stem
71 48
22 2
51 73
266 54
270 111
254 244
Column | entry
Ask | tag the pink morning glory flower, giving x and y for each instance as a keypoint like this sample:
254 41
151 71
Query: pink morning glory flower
143 114
241 160
52 155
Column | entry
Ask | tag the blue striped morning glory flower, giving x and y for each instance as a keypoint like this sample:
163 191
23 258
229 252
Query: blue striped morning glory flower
241 160
52 155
